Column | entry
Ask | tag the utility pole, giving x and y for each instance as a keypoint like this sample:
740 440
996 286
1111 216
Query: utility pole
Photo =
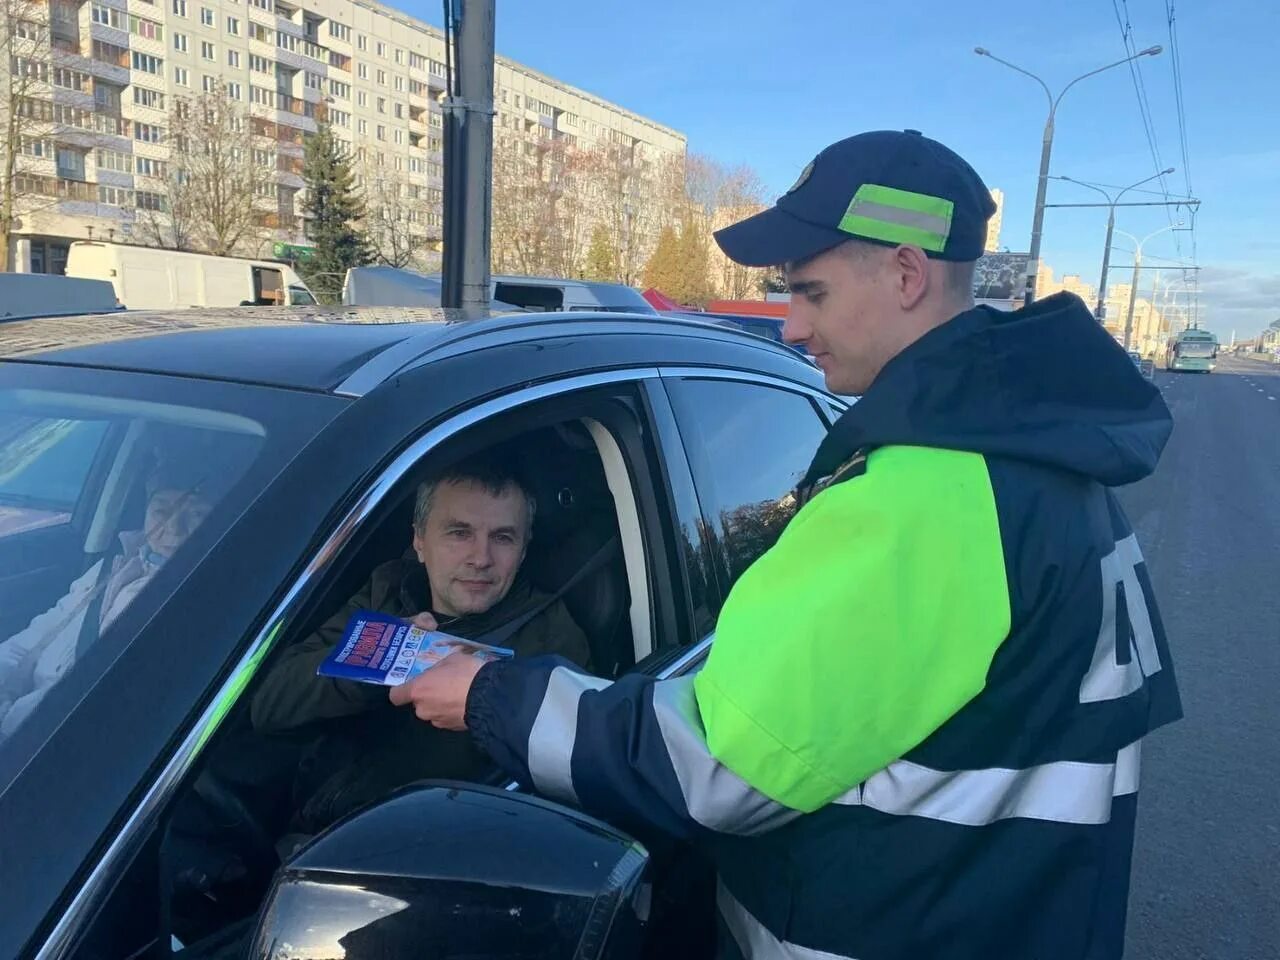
1100 312
468 154
1046 149
1137 267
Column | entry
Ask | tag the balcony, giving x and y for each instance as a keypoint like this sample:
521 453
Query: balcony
288 164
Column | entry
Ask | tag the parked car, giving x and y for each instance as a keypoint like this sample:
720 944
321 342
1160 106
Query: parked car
137 811
150 278
384 286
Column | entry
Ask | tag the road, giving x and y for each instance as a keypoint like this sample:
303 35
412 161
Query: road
1206 878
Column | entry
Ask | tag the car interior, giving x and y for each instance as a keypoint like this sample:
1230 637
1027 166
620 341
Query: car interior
220 849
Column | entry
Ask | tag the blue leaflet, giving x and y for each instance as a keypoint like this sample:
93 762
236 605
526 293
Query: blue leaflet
377 648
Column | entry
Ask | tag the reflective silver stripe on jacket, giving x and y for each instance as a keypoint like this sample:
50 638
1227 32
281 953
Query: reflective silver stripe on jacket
714 795
755 940
554 731
1063 792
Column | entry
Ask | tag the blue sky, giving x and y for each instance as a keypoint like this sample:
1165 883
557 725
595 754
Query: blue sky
769 84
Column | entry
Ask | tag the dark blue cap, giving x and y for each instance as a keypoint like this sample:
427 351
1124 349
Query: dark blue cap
888 187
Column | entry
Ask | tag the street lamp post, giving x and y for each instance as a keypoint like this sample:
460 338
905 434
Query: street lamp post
1100 312
1046 149
1137 267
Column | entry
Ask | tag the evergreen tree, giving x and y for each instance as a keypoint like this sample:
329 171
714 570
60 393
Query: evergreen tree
695 265
662 272
335 208
602 256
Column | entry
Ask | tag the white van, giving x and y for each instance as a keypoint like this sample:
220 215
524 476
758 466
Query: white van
148 278
389 286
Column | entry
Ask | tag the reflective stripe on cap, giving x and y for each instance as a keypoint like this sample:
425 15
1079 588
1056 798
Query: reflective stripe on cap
899 216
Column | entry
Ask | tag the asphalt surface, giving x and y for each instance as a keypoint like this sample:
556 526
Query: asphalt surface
1206 880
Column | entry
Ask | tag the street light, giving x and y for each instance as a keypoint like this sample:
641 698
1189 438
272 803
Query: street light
1046 148
1101 311
1137 266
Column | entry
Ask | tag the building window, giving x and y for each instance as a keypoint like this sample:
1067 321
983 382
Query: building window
233 26
362 99
399 56
260 33
382 78
437 68
147 200
312 81
70 164
115 160
147 167
362 71
115 196
233 59
70 79
108 16
382 104
180 77
399 139
180 42
148 98
261 64
417 88
362 42
208 83
417 61
147 63
340 118
180 8
147 132
35 147
146 28
235 91
340 30
382 49
339 89
399 111
362 128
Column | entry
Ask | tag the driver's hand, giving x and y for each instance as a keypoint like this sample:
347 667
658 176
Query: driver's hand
425 621
439 695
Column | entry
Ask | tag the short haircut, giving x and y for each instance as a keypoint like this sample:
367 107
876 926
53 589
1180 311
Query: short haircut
492 473
957 275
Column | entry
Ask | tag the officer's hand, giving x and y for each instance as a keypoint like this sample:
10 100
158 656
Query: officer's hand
439 696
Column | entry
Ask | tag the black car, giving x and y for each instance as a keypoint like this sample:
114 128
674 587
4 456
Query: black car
138 815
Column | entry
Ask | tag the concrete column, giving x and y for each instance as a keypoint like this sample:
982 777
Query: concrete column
22 255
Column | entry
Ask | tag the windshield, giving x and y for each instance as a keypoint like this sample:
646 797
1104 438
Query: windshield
300 296
100 494
1196 348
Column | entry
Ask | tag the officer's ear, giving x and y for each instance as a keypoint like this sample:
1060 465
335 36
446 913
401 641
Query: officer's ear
913 276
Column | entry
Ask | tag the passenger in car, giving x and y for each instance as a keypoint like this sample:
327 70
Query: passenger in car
472 525
36 658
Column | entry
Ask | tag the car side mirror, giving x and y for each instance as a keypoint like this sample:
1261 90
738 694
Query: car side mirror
452 870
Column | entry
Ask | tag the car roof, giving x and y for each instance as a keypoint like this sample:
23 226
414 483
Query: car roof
346 350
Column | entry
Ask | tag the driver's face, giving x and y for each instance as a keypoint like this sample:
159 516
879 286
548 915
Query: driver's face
172 516
472 544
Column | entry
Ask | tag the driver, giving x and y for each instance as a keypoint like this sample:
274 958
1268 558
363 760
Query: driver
471 529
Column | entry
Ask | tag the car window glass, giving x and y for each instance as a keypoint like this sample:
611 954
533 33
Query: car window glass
748 445
43 465
62 587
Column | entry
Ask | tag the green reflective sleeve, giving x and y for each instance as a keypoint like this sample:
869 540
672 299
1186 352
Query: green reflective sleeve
871 622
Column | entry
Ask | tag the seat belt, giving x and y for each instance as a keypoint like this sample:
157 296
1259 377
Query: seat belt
500 634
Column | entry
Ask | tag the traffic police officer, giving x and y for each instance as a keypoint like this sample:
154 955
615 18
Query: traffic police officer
917 732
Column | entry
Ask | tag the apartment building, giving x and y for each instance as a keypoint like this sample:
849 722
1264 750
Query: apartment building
101 97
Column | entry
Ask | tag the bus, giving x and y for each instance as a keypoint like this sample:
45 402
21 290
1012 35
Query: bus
1193 349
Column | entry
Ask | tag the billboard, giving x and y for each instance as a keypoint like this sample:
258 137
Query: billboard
1000 276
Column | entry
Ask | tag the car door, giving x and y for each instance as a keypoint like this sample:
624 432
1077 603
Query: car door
121 896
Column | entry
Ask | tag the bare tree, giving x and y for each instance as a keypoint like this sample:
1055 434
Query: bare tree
722 195
220 193
28 58
396 219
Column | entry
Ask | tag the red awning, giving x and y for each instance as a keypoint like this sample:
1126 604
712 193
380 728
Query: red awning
660 301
